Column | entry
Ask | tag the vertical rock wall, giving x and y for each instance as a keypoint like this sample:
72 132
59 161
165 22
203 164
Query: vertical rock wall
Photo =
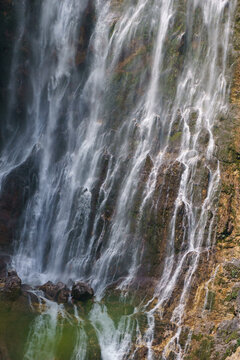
214 315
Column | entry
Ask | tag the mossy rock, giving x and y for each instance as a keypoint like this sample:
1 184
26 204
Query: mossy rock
210 300
232 270
204 349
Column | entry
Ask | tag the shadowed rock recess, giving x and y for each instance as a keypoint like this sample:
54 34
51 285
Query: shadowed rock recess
120 180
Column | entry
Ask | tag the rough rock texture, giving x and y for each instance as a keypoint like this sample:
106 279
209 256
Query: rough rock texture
4 261
12 287
17 188
213 310
8 33
85 33
81 291
212 316
56 292
235 356
10 284
14 294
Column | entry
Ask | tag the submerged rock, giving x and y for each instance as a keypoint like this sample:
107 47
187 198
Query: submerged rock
81 291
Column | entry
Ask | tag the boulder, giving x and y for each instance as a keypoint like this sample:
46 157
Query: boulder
49 290
56 292
12 287
81 291
63 295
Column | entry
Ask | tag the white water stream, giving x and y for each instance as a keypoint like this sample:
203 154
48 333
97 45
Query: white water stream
154 83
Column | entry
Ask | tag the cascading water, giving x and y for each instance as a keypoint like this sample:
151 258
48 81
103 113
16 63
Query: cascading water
121 100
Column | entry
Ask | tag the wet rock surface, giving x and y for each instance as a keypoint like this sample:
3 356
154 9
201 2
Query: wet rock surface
81 291
4 261
56 292
154 229
10 286
17 188
214 317
60 293
12 290
8 32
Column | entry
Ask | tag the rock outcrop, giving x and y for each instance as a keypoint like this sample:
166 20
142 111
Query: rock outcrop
213 311
61 293
17 188
12 287
10 284
56 292
81 291
235 356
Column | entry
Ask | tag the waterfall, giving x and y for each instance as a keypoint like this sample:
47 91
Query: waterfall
118 114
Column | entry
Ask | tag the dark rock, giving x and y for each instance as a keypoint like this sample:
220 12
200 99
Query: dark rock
156 216
49 290
12 272
63 295
55 292
27 292
12 287
17 188
85 35
81 291
181 228
141 353
148 165
8 30
4 261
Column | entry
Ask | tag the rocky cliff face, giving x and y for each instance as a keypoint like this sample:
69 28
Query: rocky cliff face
210 325
213 315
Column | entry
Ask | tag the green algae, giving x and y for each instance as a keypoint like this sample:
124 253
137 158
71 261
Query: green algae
34 336
14 328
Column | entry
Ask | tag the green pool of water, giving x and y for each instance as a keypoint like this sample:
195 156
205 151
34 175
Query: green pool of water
91 330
